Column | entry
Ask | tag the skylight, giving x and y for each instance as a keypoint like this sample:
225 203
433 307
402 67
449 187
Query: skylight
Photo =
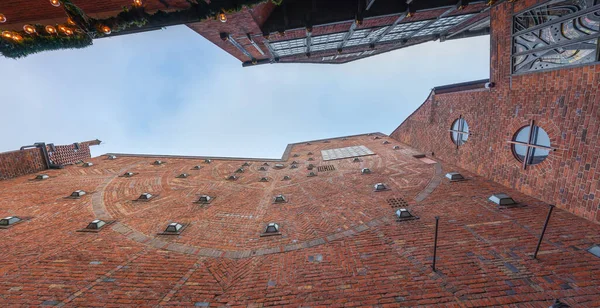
145 196
88 164
262 169
208 161
280 199
205 199
174 227
158 162
502 199
271 229
311 174
183 175
365 171
128 174
404 214
232 178
240 170
380 187
112 157
386 142
78 194
263 179
396 147
197 167
286 178
454 176
96 224
279 166
41 177
10 220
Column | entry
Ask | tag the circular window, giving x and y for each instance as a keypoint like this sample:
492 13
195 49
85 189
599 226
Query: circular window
459 132
531 145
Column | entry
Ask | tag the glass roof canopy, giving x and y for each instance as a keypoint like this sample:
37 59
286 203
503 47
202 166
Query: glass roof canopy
367 36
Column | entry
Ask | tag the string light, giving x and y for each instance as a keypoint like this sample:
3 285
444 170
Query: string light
17 37
68 31
50 29
222 17
29 29
6 34
55 3
2 18
137 2
105 29
70 21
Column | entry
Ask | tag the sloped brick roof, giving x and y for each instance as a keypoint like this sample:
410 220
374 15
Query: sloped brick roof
340 244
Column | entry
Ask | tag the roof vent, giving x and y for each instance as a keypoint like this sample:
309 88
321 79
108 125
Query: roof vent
502 199
183 175
356 160
96 224
308 143
311 174
344 139
386 142
377 137
271 229
365 171
263 179
557 303
77 194
111 157
310 153
286 178
208 161
88 164
10 220
262 169
294 163
246 164
310 159
293 166
326 141
158 162
280 199
196 167
279 166
381 187
296 155
128 174
205 199
310 167
265 164
419 156
232 178
595 250
454 176
396 147
41 177
240 170
404 214
173 228
145 197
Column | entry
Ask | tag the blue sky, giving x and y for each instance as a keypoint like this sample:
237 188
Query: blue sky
173 92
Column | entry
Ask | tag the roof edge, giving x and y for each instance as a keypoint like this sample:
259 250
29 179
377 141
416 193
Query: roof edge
462 86
284 157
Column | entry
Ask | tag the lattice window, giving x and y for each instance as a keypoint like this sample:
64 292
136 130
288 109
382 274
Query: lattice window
397 202
288 44
326 168
410 26
328 38
556 34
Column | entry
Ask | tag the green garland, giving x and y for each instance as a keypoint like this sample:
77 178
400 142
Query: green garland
130 17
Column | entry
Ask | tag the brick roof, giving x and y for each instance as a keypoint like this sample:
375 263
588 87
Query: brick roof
339 245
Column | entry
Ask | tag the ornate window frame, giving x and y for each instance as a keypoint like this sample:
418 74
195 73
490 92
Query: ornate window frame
558 31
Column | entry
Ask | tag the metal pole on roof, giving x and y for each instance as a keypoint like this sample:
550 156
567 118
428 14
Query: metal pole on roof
543 231
437 220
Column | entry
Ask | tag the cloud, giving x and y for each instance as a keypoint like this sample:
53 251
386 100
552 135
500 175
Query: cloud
173 92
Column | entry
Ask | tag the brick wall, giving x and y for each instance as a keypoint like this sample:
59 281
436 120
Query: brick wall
31 160
565 103
17 163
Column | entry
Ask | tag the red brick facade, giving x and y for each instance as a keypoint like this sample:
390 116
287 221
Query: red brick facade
31 160
17 163
565 103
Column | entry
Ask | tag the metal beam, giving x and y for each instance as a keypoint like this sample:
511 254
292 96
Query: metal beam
239 47
389 28
272 51
369 4
347 36
308 41
255 45
479 23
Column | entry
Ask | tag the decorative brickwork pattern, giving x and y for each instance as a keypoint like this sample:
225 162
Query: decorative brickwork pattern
565 103
340 246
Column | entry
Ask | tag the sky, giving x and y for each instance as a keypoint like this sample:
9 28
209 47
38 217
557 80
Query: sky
173 92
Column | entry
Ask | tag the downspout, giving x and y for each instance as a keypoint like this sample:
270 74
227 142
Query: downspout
42 146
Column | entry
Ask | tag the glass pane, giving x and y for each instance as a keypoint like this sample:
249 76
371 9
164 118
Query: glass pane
465 127
537 156
520 151
540 137
456 125
523 135
454 136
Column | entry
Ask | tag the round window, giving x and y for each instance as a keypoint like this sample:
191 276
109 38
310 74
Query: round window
531 145
459 132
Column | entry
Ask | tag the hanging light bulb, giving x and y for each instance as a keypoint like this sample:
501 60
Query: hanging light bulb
29 29
62 28
70 21
105 29
6 34
50 29
2 18
17 37
55 3
137 2
68 31
222 17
